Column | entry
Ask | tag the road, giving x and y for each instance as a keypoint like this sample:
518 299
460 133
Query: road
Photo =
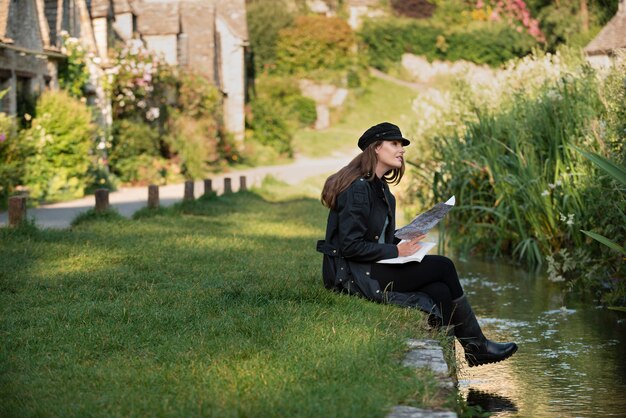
128 200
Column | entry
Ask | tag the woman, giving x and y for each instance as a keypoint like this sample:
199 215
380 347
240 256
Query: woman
360 231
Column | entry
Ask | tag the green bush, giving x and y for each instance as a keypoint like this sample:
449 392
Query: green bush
59 144
194 142
144 169
265 20
315 43
133 138
73 71
268 122
134 147
487 44
12 155
304 108
483 43
387 39
192 135
197 97
285 93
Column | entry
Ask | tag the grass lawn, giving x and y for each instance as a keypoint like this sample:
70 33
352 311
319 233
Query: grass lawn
213 308
381 101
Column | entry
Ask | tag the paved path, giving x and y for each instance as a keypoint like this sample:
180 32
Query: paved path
128 200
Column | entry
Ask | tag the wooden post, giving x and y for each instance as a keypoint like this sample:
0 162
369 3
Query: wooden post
102 200
153 196
17 210
228 188
242 184
208 186
188 190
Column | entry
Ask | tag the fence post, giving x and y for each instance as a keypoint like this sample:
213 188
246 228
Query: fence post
153 196
228 188
188 190
17 210
242 184
208 186
102 200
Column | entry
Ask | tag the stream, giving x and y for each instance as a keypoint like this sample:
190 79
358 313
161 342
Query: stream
571 360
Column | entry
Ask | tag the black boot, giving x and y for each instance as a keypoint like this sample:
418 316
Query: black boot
478 349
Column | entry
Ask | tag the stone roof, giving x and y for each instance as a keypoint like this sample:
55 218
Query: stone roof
99 8
234 13
121 6
612 36
198 23
157 17
4 18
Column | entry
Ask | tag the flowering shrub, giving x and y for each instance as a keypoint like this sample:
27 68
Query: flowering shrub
166 121
58 147
140 85
73 71
513 12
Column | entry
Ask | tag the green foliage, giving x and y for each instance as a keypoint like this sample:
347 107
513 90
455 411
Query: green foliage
491 44
481 42
198 97
132 139
315 44
266 18
269 124
194 142
12 154
276 110
73 71
523 191
304 108
166 121
59 143
192 127
387 39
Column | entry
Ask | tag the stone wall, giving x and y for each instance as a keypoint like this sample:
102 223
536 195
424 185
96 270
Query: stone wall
232 76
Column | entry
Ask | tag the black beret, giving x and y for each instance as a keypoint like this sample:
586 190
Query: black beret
382 132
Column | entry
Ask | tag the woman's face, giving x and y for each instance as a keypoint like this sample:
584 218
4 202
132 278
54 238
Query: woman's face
390 155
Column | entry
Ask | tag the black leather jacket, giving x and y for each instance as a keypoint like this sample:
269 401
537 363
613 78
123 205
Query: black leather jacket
352 244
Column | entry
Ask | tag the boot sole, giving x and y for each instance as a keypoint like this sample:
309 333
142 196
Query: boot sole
479 360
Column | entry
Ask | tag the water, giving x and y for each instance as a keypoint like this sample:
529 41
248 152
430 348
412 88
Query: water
571 360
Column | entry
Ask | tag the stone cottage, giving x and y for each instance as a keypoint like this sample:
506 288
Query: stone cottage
207 36
603 49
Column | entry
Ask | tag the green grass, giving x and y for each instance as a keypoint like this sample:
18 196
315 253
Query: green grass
381 101
212 308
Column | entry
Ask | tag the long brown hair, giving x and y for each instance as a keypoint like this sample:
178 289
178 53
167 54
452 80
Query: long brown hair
363 165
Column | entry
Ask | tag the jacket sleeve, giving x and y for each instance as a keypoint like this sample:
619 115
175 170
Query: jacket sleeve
354 209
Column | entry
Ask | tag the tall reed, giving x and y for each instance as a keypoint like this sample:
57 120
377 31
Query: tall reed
522 189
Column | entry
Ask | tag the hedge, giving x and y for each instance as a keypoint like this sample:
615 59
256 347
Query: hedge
485 43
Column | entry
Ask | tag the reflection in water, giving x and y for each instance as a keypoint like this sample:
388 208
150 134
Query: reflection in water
490 401
571 361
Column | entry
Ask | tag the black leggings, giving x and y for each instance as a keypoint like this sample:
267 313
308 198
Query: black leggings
435 275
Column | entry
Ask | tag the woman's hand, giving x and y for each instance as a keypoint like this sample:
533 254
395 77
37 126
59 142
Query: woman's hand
409 247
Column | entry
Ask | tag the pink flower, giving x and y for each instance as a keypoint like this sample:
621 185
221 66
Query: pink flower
3 137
